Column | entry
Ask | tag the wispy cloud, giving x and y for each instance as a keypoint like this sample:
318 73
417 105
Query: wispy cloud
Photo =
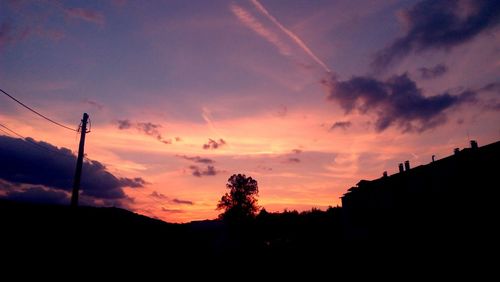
209 171
159 196
124 124
86 15
290 34
433 72
197 159
182 202
251 22
147 128
341 124
213 144
292 160
93 103
171 210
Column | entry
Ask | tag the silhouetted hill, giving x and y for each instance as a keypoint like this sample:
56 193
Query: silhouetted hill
60 230
441 210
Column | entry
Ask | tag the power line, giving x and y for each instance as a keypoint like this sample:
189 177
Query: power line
5 132
39 114
34 143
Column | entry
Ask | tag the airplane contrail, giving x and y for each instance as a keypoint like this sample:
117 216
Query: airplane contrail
246 18
288 32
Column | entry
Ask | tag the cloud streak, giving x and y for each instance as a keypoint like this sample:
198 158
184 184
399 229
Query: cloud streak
251 22
162 197
182 202
293 160
197 159
85 15
290 34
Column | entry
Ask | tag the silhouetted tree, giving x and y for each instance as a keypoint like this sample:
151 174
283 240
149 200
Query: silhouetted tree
240 203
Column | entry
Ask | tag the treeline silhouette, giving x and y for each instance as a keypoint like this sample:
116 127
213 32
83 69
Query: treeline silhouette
446 207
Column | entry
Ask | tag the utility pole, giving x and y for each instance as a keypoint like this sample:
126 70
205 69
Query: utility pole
79 162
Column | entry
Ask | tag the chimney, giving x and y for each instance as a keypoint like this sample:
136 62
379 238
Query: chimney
433 158
473 144
385 174
407 165
401 168
456 151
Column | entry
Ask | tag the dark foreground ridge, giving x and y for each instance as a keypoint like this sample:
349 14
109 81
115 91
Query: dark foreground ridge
448 207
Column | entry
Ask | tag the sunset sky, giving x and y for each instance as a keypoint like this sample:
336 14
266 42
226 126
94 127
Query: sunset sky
307 97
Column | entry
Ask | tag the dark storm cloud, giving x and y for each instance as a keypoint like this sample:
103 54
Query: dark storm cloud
148 128
54 168
39 195
433 72
395 102
208 171
440 24
212 144
341 124
197 159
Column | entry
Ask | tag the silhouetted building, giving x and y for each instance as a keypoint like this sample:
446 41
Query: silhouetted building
445 196
473 144
407 165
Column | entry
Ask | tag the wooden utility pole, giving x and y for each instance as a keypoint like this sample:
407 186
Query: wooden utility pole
79 162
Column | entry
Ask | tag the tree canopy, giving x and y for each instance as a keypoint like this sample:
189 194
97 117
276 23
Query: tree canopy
240 203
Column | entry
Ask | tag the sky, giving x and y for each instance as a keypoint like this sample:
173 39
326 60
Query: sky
306 97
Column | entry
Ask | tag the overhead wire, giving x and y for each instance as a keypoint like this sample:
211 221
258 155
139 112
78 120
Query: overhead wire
5 132
37 113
